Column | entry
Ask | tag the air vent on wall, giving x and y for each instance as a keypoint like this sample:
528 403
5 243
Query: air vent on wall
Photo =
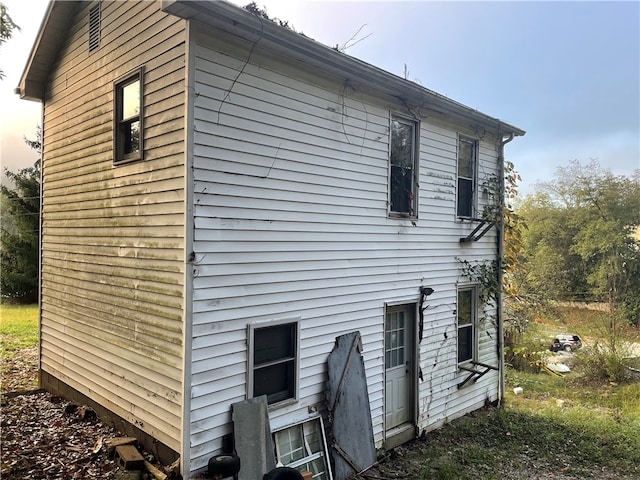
94 28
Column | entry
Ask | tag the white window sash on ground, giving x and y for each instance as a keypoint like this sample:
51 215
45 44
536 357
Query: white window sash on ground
303 446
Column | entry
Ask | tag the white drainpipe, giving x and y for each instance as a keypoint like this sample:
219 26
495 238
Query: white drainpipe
501 387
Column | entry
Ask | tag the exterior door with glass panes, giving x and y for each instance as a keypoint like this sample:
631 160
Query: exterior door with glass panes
398 365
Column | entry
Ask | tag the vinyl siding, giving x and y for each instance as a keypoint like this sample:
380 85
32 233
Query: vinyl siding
113 251
290 211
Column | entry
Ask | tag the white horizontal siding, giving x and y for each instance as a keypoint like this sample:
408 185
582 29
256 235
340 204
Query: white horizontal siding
290 207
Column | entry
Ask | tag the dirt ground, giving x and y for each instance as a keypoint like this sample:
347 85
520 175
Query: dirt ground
48 437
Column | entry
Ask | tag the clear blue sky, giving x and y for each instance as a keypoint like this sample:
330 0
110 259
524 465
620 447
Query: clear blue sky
566 72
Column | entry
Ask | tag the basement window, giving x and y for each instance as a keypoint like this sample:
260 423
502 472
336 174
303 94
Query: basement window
94 28
403 158
273 361
467 168
304 447
128 118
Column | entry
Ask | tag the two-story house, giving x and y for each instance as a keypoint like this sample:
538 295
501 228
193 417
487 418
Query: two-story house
222 197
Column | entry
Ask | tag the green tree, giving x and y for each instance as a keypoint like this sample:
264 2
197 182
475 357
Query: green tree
7 27
19 236
581 243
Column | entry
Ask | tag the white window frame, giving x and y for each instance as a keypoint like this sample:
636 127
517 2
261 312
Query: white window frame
251 335
473 325
473 179
308 455
413 201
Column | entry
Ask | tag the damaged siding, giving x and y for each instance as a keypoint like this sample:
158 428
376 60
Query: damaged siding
113 237
290 207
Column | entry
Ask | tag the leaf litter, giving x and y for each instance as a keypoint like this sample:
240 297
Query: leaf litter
44 436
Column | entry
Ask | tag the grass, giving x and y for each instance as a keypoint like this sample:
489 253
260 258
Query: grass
559 427
18 328
569 427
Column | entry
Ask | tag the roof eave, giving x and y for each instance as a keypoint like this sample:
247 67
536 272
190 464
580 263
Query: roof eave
239 22
43 53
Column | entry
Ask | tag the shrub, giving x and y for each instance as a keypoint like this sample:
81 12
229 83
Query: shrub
601 363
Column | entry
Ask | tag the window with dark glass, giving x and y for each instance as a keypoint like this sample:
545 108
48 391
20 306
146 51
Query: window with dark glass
466 310
128 128
273 366
403 168
467 160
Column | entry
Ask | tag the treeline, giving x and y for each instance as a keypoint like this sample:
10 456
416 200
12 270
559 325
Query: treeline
582 241
19 235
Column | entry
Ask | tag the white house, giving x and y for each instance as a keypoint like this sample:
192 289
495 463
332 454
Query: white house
222 197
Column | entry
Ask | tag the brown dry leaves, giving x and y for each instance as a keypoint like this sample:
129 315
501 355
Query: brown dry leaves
47 437
41 441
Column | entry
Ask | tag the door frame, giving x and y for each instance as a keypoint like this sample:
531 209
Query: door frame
407 431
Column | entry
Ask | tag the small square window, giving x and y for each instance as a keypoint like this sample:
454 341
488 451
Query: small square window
403 155
128 118
466 313
467 167
273 361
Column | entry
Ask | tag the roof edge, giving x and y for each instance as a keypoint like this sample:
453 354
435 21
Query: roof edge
50 37
238 21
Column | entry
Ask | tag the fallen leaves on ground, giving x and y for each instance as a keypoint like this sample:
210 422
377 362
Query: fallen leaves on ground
47 437
43 438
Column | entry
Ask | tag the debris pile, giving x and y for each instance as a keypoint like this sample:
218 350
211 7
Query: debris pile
45 436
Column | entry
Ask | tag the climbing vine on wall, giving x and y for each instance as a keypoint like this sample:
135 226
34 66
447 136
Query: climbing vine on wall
493 276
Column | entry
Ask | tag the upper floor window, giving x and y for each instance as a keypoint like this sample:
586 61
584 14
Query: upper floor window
128 118
403 158
467 171
467 317
273 361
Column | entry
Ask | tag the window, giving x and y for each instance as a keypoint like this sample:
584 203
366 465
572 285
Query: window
402 172
128 118
94 28
273 361
304 447
467 166
466 324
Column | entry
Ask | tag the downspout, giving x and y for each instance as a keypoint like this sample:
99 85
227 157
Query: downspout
189 223
500 240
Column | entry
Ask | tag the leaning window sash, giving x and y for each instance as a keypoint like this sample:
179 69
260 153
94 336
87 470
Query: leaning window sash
303 446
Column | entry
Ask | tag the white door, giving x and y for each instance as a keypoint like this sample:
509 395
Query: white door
398 365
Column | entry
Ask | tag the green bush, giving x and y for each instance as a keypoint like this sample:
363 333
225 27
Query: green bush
600 363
